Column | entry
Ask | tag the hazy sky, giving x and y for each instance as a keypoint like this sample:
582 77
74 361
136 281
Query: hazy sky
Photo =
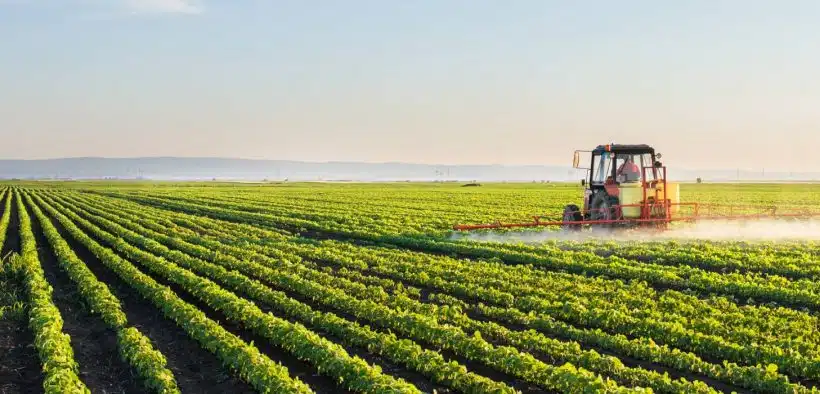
710 83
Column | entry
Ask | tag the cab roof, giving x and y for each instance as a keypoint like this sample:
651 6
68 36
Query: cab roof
625 148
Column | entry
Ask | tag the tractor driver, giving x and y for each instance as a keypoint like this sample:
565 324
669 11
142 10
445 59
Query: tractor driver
629 171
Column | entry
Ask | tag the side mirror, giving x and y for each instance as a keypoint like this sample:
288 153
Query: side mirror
658 156
576 159
583 182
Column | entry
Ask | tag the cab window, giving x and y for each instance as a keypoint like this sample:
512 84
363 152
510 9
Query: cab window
601 167
630 167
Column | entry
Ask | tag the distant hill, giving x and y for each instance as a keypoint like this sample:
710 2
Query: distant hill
176 168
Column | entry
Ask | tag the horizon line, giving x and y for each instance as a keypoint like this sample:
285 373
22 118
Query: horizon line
760 170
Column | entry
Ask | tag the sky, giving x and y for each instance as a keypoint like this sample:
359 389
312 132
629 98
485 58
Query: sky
710 83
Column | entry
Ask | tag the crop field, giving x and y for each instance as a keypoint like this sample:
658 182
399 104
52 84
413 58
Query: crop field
363 288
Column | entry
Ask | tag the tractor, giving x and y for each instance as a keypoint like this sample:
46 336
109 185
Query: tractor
626 186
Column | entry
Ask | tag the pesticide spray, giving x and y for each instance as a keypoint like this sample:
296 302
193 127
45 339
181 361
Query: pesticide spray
734 230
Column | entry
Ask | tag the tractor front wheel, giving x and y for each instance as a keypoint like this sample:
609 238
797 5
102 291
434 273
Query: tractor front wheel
604 207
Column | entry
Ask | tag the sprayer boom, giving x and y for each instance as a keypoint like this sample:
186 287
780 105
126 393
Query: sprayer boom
684 212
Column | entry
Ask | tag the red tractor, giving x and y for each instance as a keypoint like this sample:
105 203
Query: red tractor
627 187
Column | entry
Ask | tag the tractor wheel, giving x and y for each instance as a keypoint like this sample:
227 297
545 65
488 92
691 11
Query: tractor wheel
604 207
572 214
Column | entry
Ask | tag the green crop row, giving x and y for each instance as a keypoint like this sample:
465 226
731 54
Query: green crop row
757 287
670 333
135 348
555 349
53 345
328 358
537 294
253 366
404 352
753 380
718 257
507 360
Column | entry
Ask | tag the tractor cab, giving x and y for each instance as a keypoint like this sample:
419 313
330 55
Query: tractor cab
618 164
621 180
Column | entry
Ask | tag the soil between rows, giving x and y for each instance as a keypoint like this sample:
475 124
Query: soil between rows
19 364
12 242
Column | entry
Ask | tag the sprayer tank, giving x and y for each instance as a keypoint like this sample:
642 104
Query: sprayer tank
632 194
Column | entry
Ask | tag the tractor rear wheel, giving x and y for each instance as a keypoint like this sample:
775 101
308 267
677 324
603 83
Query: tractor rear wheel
604 207
572 214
